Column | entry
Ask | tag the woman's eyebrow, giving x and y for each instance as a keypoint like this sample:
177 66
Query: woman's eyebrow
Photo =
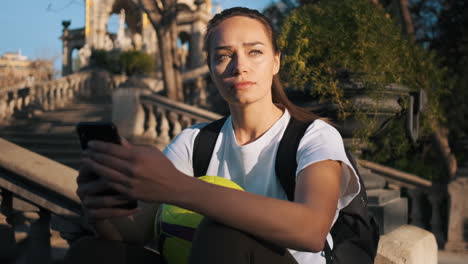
253 43
223 48
248 44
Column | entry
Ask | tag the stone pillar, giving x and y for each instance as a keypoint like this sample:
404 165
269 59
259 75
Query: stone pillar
196 45
457 239
99 12
127 112
66 51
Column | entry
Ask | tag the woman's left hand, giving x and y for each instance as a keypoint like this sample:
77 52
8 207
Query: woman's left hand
138 172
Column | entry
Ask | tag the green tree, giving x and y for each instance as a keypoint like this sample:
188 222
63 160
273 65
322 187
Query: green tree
329 42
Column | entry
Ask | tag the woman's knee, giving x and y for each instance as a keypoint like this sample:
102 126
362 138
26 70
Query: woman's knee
216 243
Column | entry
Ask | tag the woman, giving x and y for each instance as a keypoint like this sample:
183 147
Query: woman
256 226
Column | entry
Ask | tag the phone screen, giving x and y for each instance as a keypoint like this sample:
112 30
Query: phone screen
102 131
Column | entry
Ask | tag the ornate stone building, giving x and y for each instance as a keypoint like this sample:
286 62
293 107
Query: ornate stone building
192 18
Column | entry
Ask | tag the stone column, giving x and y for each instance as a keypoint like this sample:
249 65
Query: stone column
66 51
196 45
457 239
127 112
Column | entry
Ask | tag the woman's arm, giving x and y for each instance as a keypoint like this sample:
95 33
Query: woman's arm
301 225
144 173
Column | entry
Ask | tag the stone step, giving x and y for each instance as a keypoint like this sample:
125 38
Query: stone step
391 214
382 196
371 180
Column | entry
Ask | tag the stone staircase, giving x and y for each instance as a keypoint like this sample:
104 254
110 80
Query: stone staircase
52 134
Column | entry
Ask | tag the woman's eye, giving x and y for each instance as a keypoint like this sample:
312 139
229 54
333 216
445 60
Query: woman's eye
222 57
255 52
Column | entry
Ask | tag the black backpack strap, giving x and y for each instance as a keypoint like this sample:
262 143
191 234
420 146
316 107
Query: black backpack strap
355 212
204 145
286 163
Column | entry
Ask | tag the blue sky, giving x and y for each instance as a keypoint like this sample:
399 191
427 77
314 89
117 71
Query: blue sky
34 26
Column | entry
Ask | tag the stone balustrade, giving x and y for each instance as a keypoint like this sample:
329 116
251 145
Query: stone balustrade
29 99
150 118
41 187
427 201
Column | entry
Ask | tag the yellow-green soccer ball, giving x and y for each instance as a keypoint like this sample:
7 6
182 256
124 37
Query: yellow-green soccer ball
176 226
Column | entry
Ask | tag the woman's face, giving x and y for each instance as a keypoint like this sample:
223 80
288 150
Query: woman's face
242 61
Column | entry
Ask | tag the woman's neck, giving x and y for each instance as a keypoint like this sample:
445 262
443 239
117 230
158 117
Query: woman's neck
252 121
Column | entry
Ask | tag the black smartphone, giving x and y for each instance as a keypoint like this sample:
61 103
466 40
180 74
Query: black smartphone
101 131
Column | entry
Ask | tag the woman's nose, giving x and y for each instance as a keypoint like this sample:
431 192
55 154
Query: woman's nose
239 64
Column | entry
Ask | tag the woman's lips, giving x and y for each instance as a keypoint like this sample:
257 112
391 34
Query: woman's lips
243 85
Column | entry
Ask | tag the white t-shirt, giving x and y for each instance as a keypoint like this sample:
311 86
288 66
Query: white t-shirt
252 166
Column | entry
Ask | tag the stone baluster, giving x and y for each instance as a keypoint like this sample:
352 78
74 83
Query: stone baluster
45 97
59 95
39 248
67 93
416 214
151 122
65 97
32 101
457 239
29 96
436 196
176 126
3 106
19 104
185 121
88 87
164 128
52 91
8 248
12 104
71 90
6 207
36 96
77 87
55 95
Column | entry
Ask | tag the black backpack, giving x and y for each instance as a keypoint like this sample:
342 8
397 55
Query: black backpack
355 233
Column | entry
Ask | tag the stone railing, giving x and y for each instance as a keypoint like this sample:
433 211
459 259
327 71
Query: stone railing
27 100
149 118
427 200
34 185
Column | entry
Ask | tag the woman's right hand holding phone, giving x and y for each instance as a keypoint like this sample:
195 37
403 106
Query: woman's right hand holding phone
98 200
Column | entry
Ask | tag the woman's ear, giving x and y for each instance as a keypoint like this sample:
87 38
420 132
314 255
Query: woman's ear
276 62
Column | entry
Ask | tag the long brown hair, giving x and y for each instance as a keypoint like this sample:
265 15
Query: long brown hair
278 95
